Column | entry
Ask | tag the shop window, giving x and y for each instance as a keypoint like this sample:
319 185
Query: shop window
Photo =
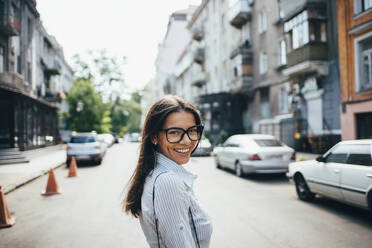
364 65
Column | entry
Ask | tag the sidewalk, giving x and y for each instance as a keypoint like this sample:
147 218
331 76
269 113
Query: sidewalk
13 176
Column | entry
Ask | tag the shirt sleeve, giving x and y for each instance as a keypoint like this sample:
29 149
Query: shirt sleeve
172 211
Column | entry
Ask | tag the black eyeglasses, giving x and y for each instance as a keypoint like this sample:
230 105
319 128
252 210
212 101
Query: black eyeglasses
175 134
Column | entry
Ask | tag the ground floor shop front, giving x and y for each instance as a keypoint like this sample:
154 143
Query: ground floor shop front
26 123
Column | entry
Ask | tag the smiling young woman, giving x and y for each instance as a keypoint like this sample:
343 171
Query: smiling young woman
160 190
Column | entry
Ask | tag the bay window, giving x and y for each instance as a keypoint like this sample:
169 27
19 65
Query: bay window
304 28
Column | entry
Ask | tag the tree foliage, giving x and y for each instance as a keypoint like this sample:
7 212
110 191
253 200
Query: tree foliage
87 112
96 99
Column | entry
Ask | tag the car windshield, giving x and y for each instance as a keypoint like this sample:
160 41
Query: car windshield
268 142
83 139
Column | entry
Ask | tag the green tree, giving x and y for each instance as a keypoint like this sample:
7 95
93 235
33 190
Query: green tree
87 112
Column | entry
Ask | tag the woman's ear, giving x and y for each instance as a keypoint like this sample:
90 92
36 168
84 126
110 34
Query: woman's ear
154 140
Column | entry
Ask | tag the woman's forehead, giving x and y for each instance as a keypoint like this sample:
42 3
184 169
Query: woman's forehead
183 119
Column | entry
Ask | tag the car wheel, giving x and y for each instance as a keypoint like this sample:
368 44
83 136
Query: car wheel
238 170
302 189
218 165
370 202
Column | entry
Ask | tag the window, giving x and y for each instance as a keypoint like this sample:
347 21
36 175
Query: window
262 22
362 5
283 99
1 59
268 142
29 29
364 65
263 62
264 103
303 28
338 155
282 53
360 155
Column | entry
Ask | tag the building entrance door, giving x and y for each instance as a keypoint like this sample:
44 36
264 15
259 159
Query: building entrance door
364 125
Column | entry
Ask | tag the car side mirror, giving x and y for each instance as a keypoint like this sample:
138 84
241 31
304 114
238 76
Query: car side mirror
320 159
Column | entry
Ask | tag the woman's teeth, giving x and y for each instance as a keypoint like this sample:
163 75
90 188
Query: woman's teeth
182 150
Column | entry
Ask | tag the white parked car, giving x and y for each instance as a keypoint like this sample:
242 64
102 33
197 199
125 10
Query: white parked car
344 173
85 146
254 153
204 148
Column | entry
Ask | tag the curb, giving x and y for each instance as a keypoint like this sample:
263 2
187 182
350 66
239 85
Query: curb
29 178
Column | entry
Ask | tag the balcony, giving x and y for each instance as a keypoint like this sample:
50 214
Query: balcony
240 13
245 51
13 81
311 57
243 84
199 55
9 25
197 34
199 79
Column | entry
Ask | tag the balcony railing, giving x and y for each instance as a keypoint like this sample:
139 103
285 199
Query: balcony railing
244 50
197 34
240 13
9 25
199 54
308 52
199 79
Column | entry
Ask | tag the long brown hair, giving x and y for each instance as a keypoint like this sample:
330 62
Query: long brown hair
155 120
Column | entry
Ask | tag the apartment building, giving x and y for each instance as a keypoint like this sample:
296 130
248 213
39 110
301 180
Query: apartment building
29 94
221 68
355 46
170 49
268 108
312 66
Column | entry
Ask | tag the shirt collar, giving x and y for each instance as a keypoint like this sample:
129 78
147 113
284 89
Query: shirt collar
164 162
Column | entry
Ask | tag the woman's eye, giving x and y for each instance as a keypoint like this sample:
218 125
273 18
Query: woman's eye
173 132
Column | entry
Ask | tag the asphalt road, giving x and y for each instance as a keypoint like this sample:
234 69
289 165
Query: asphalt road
258 211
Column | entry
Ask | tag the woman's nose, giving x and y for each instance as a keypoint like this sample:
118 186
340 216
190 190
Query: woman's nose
185 139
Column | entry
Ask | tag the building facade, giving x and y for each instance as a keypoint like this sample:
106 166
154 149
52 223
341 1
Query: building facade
355 39
27 102
169 50
312 66
268 66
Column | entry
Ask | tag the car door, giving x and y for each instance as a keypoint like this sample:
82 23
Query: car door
230 153
326 175
356 175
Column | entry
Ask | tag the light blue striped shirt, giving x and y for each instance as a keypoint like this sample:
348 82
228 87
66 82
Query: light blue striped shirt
173 197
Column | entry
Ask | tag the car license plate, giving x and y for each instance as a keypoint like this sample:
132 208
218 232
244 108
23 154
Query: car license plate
275 157
82 157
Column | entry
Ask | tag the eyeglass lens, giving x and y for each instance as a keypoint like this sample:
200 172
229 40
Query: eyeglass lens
175 135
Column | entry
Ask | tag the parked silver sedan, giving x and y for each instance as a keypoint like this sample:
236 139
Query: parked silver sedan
85 146
254 153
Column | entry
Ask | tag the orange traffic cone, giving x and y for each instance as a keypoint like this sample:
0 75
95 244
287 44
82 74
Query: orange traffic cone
52 186
5 219
72 171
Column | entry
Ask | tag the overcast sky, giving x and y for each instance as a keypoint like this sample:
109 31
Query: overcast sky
122 27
